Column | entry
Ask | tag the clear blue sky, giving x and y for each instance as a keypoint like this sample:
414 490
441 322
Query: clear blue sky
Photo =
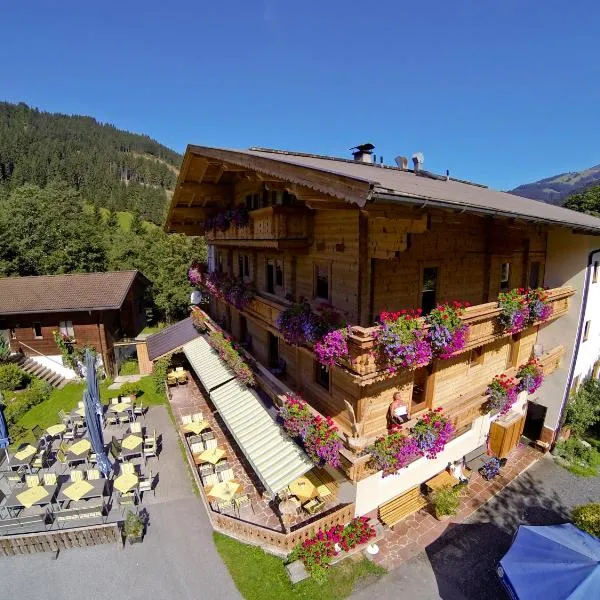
501 92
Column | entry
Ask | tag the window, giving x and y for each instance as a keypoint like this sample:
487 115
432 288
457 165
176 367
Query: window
243 329
37 331
504 276
322 375
476 357
596 372
243 265
429 289
322 282
534 274
574 386
513 356
66 328
596 271
275 280
586 330
13 332
246 265
273 351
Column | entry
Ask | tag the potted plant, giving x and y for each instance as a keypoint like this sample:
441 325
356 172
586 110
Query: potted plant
130 389
446 501
134 527
490 469
447 334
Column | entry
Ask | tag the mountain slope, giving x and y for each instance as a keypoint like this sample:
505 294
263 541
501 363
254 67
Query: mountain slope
111 168
554 190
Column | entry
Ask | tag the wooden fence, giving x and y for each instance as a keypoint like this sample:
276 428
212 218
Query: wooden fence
54 541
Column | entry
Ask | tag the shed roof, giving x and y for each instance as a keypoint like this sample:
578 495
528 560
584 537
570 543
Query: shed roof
66 293
394 183
205 361
171 338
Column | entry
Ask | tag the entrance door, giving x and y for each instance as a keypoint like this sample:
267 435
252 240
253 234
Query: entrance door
273 351
534 421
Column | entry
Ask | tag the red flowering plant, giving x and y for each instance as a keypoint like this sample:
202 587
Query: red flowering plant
530 376
447 334
232 357
401 341
319 435
502 393
432 432
355 533
539 308
393 452
196 272
514 310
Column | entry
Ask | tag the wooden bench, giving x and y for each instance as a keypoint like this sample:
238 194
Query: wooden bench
402 506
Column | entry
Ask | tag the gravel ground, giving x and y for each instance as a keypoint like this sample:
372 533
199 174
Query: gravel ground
460 565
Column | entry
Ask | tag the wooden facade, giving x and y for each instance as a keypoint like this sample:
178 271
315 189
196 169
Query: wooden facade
373 257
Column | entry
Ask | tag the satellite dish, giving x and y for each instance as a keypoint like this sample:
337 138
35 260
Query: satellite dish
401 161
195 297
418 157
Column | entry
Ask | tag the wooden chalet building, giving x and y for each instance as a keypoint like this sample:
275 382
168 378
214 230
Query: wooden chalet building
94 309
367 238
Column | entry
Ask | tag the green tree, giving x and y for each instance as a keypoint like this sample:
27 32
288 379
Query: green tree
111 221
587 201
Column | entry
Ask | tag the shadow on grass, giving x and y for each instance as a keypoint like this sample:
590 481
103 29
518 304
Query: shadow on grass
465 557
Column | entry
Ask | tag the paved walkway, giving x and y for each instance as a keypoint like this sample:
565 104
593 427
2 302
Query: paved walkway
176 560
460 565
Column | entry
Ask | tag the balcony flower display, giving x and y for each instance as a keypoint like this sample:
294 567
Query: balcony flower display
318 551
514 310
530 376
299 325
196 273
490 468
332 347
401 341
318 435
240 216
223 220
447 334
432 432
237 292
393 452
539 309
198 319
231 356
502 394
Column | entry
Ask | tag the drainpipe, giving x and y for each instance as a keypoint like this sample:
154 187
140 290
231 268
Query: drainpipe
580 325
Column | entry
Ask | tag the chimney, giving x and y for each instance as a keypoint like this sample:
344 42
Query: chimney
363 153
418 160
402 162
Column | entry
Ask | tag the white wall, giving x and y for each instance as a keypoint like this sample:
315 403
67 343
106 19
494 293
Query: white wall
55 363
566 264
375 490
589 351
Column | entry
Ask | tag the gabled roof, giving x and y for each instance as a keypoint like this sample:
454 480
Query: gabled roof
361 183
66 293
171 338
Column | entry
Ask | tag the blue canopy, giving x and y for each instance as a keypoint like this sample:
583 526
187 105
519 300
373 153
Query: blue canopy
556 562
93 412
4 439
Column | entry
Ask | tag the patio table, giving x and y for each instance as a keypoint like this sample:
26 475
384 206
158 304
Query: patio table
119 407
80 412
126 482
79 451
23 458
303 488
225 490
195 427
38 495
55 430
131 446
214 455
82 490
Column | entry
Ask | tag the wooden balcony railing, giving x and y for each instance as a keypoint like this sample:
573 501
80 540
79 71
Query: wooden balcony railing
484 327
265 309
273 227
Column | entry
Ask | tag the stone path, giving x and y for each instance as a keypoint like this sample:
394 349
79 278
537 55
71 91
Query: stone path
417 531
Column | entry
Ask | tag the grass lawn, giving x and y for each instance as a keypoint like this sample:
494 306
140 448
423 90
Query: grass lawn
46 413
262 576
149 329
129 367
581 462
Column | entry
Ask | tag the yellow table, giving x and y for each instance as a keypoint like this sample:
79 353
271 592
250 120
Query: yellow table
225 490
131 442
54 430
303 488
76 491
120 407
32 495
26 452
195 427
212 456
80 447
80 411
126 482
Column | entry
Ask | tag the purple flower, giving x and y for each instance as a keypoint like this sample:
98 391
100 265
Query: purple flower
332 347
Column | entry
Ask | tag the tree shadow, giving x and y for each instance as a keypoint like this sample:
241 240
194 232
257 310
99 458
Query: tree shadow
465 557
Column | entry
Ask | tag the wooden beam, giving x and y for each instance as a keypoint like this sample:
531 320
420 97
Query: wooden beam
180 213
219 174
185 228
204 189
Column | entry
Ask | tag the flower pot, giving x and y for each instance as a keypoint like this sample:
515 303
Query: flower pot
135 539
132 398
442 517
337 548
373 549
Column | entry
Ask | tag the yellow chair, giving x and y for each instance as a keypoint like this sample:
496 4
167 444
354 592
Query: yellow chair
92 474
128 468
76 476
49 478
32 480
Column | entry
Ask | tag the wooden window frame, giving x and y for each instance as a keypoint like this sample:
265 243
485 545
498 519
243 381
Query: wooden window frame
538 283
13 332
66 328
278 290
586 330
35 335
322 265
501 279
317 369
476 357
595 271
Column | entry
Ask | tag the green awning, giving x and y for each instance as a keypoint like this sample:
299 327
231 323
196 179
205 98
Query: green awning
274 456
207 364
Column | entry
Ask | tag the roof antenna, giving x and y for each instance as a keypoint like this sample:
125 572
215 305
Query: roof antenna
447 174
381 161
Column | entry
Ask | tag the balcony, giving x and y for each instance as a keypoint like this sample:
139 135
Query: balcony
265 309
484 327
276 227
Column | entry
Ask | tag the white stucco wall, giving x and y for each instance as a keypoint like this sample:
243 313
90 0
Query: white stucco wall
566 264
375 490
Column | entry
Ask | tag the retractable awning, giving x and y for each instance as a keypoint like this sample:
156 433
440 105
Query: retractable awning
207 364
274 456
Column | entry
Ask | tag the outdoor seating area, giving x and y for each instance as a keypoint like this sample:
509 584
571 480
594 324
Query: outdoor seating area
54 482
230 483
177 376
